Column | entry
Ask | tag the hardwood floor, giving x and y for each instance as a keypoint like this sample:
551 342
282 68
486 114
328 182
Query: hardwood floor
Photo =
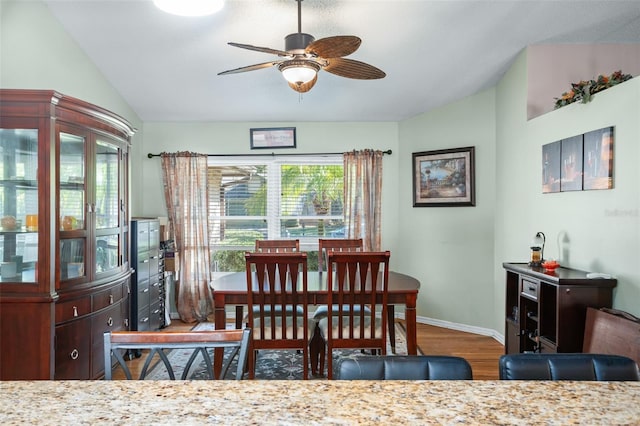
481 352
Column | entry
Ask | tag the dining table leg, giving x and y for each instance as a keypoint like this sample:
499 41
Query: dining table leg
410 318
220 324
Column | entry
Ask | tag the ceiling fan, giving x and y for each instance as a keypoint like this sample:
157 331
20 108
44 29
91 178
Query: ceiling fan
304 57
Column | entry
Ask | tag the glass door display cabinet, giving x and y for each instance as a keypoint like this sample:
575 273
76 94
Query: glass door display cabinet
64 260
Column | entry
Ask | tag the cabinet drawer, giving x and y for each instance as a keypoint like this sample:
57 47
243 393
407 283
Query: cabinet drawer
73 350
529 288
142 269
143 319
107 297
153 264
156 316
154 291
71 309
109 320
143 293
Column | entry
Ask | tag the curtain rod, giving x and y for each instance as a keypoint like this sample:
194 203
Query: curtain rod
273 154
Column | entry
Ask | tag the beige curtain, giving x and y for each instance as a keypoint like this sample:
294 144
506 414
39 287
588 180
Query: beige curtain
363 197
186 196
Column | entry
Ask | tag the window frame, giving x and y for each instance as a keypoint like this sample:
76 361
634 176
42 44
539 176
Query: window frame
273 218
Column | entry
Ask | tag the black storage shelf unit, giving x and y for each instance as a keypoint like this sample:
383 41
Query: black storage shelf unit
148 284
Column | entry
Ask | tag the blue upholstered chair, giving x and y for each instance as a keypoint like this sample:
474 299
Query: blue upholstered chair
568 366
422 367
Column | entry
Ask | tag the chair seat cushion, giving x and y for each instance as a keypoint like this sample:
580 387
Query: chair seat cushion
280 332
321 311
323 324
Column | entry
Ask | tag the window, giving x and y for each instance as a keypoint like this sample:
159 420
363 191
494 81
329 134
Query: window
276 198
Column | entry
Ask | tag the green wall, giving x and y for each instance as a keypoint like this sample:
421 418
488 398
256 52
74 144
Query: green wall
590 230
450 249
37 53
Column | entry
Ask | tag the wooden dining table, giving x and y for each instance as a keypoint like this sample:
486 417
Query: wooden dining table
231 288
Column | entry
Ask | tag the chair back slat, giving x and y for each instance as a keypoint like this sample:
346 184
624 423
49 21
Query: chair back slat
337 245
277 289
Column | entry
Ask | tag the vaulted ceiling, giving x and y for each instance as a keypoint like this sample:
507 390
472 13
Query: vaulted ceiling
433 52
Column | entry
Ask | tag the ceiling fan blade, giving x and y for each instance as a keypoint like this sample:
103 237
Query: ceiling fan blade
353 69
334 47
260 49
250 68
304 87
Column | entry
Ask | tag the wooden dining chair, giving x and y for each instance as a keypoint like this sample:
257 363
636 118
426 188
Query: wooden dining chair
337 245
356 281
278 305
349 245
268 246
277 246
159 342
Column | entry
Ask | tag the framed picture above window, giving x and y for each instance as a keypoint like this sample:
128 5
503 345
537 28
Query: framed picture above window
279 137
444 178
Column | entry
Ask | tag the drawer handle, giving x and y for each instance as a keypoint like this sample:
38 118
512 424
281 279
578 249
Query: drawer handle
74 354
75 311
110 322
111 299
532 288
126 322
146 319
146 290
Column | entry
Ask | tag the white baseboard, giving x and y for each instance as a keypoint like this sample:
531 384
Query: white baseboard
459 327
499 337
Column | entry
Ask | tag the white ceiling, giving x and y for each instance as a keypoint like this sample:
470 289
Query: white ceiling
434 52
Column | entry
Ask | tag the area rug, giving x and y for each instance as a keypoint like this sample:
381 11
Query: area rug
270 364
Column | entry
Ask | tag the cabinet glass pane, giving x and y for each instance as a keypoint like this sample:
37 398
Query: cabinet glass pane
72 182
71 258
107 185
18 205
107 253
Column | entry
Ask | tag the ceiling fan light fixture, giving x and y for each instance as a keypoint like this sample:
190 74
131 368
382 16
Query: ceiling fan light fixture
298 71
190 7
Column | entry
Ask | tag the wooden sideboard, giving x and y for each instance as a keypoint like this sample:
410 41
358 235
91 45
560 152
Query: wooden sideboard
546 311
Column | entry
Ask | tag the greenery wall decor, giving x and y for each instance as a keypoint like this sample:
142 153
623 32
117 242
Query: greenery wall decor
583 90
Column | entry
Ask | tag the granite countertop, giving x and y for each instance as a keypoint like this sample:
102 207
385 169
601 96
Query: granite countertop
314 402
